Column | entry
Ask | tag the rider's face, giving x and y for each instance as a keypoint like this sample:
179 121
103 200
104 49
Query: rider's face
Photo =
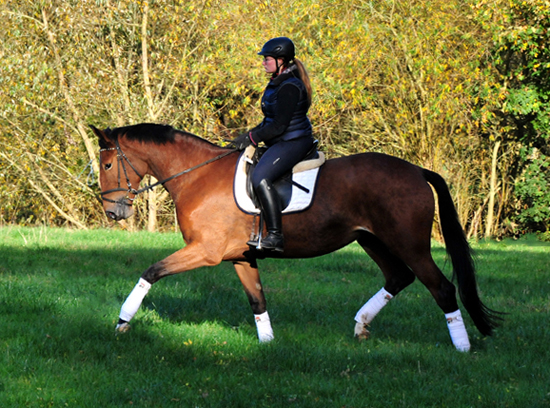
270 65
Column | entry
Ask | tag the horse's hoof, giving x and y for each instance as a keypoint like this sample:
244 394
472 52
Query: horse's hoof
122 328
266 338
463 348
361 332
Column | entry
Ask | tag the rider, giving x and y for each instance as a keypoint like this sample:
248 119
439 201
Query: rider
285 130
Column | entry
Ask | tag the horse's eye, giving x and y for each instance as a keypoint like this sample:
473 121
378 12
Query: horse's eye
108 166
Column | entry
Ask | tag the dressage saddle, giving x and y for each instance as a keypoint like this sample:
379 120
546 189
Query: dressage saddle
284 184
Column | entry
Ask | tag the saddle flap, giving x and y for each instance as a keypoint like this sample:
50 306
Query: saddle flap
295 189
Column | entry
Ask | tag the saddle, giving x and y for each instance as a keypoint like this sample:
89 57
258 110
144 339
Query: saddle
295 189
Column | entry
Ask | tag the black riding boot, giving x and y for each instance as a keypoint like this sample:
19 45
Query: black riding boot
271 208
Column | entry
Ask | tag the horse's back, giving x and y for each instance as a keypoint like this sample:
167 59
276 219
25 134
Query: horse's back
368 192
374 176
375 163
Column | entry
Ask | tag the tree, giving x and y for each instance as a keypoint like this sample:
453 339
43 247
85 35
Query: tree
456 87
520 115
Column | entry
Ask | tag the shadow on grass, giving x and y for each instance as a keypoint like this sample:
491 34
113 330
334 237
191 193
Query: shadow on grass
75 359
194 343
323 292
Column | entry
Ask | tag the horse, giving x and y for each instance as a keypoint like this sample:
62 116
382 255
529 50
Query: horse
384 203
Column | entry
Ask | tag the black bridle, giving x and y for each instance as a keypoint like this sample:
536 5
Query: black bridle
121 158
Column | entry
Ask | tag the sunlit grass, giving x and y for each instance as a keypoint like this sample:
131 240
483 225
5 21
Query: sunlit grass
193 342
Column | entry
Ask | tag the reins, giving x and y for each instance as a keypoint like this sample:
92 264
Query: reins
121 157
181 173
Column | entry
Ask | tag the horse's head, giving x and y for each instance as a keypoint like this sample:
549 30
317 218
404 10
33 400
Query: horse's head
118 176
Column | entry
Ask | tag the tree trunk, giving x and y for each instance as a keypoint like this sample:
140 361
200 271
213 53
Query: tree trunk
152 208
492 192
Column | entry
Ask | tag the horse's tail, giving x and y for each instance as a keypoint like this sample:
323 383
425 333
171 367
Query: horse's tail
460 253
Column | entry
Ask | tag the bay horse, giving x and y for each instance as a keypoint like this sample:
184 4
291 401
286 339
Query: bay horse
382 202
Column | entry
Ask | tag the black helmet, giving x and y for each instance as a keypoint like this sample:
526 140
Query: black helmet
279 47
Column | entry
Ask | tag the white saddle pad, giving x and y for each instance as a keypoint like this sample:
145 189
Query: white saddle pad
300 200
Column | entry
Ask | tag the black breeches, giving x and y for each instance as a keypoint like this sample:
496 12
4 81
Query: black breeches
280 159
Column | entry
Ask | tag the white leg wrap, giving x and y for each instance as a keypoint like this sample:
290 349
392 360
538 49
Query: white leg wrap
133 302
457 330
263 324
373 306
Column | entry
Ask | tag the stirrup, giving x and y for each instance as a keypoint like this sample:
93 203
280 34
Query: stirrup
254 242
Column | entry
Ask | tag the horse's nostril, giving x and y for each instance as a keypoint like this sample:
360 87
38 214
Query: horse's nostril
111 215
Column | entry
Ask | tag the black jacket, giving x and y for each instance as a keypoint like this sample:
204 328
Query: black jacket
284 105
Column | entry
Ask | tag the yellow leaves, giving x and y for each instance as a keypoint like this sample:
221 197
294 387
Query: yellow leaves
205 60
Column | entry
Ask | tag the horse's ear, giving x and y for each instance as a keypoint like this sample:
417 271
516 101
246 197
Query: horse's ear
98 133
103 136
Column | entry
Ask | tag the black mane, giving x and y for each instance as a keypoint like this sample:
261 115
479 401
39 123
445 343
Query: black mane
145 133
151 133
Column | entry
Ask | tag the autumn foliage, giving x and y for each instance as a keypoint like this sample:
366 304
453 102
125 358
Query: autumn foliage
458 87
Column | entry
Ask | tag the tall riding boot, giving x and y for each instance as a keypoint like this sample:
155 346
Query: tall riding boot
271 207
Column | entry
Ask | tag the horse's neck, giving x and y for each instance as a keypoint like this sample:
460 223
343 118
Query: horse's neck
170 158
182 156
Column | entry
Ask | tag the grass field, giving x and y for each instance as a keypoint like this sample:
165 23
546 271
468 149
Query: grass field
193 342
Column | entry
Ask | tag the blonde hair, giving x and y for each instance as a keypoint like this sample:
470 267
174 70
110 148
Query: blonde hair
305 79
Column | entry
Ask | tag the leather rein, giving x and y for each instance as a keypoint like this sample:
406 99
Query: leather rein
121 158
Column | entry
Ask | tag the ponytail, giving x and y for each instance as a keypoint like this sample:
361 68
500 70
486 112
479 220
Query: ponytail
305 79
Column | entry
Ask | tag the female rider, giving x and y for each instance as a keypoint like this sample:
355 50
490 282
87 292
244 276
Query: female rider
285 130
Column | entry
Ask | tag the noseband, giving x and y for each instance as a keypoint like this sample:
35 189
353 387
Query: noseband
121 158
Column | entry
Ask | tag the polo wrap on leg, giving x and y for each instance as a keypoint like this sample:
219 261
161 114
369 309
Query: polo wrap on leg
133 302
457 330
263 324
373 306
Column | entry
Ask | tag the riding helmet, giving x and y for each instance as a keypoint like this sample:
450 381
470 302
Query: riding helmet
279 47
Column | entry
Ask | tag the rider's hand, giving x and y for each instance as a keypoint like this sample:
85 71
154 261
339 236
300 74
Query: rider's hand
242 141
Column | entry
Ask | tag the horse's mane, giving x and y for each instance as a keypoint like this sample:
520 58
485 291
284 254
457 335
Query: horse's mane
151 133
144 133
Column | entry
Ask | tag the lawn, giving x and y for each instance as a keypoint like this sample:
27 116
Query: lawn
193 342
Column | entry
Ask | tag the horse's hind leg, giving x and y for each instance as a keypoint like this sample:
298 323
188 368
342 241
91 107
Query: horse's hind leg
444 293
397 275
250 279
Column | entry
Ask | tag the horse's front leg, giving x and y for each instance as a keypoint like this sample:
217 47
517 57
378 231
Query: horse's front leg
191 257
250 278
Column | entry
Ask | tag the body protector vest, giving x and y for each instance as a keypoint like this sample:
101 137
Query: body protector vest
300 125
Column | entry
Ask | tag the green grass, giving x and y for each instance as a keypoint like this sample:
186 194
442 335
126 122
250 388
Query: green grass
193 342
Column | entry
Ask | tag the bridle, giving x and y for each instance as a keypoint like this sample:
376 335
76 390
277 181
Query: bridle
121 158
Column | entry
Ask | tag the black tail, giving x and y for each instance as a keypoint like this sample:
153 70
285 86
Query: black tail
460 253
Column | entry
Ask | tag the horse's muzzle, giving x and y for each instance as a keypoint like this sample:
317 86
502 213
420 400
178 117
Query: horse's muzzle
119 211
